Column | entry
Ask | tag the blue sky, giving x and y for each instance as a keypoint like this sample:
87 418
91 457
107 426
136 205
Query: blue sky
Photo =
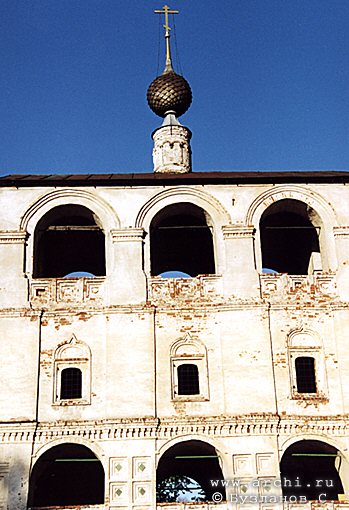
269 79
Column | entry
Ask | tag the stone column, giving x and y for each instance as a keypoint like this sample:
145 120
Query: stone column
172 152
13 282
341 235
127 282
240 278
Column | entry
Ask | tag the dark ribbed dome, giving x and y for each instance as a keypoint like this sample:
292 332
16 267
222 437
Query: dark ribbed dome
167 92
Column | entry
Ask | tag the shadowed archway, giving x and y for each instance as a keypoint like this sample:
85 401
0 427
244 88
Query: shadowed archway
181 240
67 474
309 468
192 463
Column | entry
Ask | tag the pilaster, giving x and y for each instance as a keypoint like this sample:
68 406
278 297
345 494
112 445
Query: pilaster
341 235
240 275
127 282
13 283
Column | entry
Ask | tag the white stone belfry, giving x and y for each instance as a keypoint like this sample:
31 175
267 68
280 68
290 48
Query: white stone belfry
172 152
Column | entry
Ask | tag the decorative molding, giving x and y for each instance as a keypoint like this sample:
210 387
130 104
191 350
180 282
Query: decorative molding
118 468
238 231
13 237
282 286
71 291
242 464
194 345
182 194
65 196
182 290
171 428
303 338
127 235
295 192
265 463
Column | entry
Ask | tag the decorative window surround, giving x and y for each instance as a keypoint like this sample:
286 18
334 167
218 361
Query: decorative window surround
72 354
189 351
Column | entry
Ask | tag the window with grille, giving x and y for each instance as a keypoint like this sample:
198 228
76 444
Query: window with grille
71 383
305 374
188 379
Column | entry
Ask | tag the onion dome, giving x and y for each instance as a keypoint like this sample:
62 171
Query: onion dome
169 92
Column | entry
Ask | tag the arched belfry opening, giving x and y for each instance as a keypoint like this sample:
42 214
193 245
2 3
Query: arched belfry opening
68 239
310 469
185 472
290 232
67 474
181 241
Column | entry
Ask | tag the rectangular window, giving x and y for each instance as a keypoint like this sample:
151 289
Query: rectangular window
305 374
188 379
71 383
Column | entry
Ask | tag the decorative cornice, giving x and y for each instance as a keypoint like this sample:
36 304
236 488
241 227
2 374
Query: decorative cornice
126 235
13 236
171 427
238 231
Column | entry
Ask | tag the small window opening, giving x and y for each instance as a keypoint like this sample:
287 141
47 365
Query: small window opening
305 374
71 383
290 233
181 241
188 379
68 239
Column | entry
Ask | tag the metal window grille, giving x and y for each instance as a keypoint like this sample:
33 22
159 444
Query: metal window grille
71 383
305 373
188 379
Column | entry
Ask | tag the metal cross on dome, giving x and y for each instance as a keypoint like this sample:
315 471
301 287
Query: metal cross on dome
166 11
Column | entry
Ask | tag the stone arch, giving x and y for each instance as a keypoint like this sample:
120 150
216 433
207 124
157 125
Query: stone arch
216 216
194 347
96 204
337 468
216 444
105 216
207 202
68 473
323 215
301 337
333 441
70 345
94 447
179 458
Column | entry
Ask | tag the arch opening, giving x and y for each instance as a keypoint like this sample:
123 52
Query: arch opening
185 472
309 468
69 241
290 232
67 474
181 241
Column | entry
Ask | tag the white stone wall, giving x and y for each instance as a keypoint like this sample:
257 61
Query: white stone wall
129 322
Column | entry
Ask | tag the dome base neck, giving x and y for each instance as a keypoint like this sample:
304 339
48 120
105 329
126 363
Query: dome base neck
172 151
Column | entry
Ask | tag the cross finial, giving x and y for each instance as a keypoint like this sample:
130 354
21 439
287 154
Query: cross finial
166 11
